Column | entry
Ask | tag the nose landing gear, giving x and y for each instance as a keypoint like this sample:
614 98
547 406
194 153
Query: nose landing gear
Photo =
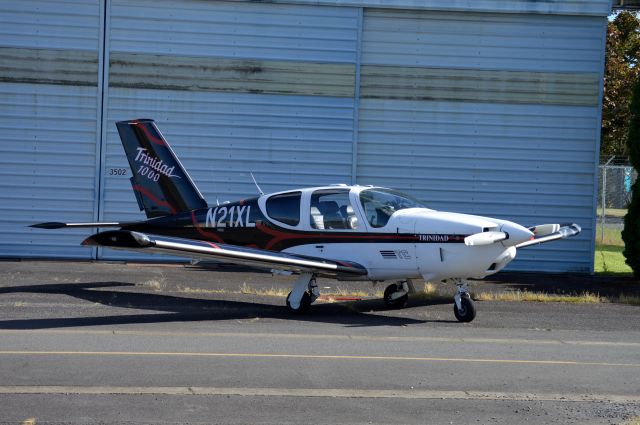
463 306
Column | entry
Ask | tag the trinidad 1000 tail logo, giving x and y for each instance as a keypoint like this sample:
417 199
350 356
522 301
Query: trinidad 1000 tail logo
151 167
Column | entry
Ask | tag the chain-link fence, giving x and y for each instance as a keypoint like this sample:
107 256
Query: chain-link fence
615 181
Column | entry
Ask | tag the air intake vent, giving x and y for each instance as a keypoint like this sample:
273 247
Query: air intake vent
391 255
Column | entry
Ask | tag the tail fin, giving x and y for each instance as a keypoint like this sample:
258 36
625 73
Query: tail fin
160 183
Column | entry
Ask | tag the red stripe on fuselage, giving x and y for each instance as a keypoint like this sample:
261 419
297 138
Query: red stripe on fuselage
279 236
207 235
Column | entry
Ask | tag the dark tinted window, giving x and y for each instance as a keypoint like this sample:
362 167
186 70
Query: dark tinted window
285 208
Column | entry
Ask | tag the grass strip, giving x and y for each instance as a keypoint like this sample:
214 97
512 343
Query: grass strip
430 292
610 261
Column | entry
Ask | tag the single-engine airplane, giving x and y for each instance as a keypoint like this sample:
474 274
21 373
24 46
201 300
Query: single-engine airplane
339 231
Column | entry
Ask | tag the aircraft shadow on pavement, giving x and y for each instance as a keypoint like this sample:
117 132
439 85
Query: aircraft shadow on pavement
169 308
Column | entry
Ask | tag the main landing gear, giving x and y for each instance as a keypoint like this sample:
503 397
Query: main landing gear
397 294
305 292
463 307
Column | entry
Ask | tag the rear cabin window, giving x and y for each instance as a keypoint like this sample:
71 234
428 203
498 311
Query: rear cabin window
331 210
285 208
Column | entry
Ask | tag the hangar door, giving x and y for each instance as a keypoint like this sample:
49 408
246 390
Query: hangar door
487 114
50 82
235 88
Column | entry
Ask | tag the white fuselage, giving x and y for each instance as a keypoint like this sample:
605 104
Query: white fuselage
436 249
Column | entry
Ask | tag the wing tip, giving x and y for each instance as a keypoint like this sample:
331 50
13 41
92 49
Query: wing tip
49 225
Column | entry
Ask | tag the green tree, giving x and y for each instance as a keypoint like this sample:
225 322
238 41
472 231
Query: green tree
621 72
631 232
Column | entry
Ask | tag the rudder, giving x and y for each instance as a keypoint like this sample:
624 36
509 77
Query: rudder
161 184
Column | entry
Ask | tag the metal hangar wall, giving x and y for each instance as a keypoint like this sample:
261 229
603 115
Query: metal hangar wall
486 107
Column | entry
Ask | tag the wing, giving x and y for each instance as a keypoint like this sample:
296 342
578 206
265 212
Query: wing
191 248
59 225
551 232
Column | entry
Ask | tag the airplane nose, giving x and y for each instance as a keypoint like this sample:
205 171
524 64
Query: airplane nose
517 234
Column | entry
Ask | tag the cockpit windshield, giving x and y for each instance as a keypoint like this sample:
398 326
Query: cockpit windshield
380 204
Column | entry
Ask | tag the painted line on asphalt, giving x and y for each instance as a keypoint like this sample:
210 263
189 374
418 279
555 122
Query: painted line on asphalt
519 341
320 392
308 357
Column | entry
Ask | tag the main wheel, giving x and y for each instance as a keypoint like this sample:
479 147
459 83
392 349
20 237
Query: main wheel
400 302
305 303
468 311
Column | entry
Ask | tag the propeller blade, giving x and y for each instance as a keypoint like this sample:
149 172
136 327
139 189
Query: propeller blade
485 238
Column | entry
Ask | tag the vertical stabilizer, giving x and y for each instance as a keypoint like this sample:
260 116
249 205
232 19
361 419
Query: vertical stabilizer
160 182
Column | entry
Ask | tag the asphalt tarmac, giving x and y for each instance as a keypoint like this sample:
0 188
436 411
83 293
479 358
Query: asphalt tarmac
117 343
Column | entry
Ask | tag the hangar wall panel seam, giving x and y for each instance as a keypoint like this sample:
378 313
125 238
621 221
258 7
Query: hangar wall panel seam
596 152
356 99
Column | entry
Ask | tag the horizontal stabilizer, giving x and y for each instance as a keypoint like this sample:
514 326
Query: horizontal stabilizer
484 238
59 225
564 231
202 250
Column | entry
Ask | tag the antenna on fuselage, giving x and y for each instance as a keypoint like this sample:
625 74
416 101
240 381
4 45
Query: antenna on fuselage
256 183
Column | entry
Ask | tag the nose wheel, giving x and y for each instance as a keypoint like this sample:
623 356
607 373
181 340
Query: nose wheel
463 307
467 310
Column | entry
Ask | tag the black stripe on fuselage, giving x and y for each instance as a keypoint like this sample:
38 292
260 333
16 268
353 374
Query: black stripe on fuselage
243 224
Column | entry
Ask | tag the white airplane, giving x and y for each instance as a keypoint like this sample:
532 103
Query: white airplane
344 232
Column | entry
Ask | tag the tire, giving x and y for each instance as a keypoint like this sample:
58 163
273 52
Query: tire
398 302
468 311
305 303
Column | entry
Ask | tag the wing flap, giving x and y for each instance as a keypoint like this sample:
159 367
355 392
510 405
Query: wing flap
563 231
254 257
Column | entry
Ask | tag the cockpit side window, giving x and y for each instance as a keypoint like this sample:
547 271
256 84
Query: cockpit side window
380 204
331 209
285 208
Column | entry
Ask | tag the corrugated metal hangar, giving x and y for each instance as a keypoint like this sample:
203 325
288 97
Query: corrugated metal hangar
488 107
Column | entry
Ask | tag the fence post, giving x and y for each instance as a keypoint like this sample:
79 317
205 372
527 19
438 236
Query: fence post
603 214
604 198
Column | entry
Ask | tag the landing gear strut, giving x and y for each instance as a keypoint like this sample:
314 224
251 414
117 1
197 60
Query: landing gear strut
304 293
463 307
